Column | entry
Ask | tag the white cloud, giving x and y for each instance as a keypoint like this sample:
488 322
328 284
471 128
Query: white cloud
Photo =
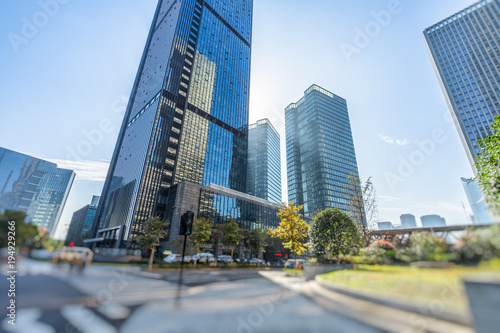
389 140
85 170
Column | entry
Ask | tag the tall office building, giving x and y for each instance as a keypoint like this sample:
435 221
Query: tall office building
81 222
186 124
465 51
477 202
385 225
429 221
264 161
408 221
320 151
35 187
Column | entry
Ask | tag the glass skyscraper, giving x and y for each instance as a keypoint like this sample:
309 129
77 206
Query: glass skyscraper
187 116
477 202
465 51
320 151
429 221
35 187
264 161
81 222
408 221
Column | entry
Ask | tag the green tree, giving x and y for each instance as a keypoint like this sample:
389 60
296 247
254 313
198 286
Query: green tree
333 233
153 230
362 202
258 239
230 234
488 166
24 231
292 230
202 231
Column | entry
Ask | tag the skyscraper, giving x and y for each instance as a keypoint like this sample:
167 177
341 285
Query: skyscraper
187 116
81 222
320 151
264 161
35 187
408 221
429 221
477 202
465 51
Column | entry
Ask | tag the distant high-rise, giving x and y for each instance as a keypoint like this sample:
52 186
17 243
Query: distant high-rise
82 222
385 225
465 51
429 221
183 141
408 221
264 161
320 151
35 187
477 202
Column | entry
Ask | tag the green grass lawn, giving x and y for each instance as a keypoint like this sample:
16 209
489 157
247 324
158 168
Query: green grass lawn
422 286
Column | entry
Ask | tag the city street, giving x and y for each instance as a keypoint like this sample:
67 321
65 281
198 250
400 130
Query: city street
119 299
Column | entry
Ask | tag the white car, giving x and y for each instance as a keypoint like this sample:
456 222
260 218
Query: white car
204 257
171 258
225 259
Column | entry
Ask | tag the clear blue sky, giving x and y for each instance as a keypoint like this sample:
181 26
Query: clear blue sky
73 74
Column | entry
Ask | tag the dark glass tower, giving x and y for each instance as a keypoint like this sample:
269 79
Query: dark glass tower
264 161
320 151
465 51
187 116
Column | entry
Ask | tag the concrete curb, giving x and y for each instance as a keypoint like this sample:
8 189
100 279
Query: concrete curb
450 316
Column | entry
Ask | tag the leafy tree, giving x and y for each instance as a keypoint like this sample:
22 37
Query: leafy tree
362 201
24 231
488 166
292 230
153 230
202 231
258 239
230 234
333 233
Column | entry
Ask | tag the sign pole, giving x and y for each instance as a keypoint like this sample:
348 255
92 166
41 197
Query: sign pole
180 274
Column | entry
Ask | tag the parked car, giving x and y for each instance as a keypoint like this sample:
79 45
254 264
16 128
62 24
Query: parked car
256 261
225 259
204 258
241 260
295 263
171 258
187 259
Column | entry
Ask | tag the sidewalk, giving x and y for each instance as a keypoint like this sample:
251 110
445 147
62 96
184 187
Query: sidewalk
384 317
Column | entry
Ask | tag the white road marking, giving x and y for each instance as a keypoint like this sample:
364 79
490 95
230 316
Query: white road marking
85 320
27 322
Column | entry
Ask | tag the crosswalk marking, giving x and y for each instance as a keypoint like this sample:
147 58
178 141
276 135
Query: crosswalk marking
27 322
85 320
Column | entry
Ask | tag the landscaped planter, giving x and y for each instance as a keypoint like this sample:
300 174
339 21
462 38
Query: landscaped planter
484 301
310 271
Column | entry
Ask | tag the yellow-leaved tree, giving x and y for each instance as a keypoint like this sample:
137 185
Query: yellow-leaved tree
292 230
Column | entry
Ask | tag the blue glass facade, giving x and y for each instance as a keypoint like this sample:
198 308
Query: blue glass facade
477 202
320 151
465 50
81 223
188 112
429 221
264 161
35 187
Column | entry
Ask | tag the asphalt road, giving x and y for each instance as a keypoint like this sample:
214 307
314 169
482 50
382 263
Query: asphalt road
52 299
